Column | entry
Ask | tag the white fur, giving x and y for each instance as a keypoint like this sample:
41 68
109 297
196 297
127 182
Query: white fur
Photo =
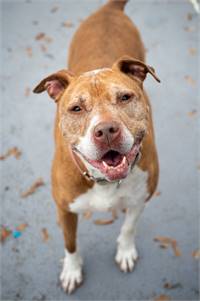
131 193
95 72
126 251
71 275
87 147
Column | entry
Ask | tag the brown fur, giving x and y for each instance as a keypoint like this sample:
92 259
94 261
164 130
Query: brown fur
99 42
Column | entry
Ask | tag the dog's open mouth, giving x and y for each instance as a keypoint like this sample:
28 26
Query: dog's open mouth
114 165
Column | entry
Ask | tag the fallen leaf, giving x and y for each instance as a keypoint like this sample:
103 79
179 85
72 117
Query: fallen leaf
167 241
54 9
21 227
87 214
190 80
171 285
43 37
164 245
5 233
14 151
157 193
162 298
189 28
29 51
177 251
45 234
40 36
33 188
27 91
192 113
192 51
196 254
163 239
67 24
189 16
48 39
103 222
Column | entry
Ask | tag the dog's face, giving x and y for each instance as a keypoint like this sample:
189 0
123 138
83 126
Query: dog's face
103 115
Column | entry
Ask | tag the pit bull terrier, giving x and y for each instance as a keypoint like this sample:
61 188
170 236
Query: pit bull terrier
105 155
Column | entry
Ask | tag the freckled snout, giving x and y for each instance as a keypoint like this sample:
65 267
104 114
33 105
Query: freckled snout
106 132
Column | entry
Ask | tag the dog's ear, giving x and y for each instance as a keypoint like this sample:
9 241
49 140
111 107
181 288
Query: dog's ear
55 84
134 69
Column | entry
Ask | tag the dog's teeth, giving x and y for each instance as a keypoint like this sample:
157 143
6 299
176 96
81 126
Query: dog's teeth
104 164
124 160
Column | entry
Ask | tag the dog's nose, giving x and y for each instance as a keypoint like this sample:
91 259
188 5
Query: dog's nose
106 132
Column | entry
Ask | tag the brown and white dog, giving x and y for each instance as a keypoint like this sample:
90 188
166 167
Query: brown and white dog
103 125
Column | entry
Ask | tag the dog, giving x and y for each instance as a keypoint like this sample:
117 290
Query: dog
105 154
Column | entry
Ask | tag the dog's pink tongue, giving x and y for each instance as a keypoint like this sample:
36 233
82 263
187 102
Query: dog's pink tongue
112 158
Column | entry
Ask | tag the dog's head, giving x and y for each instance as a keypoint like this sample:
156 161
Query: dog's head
103 114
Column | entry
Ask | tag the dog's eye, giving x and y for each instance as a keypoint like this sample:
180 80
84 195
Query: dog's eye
125 97
75 109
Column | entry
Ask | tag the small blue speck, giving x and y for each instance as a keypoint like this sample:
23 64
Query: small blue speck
16 234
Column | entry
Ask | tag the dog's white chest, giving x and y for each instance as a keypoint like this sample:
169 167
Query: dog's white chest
131 191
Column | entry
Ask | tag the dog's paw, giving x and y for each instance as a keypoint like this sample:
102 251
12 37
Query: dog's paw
126 258
71 276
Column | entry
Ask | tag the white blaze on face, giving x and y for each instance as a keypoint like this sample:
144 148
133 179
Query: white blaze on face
95 72
87 147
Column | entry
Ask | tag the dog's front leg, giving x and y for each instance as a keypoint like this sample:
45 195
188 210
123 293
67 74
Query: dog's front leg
71 276
126 251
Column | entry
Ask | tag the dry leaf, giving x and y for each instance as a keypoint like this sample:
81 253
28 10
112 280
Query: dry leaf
189 28
11 152
189 16
29 51
192 113
54 9
157 193
5 232
171 285
162 298
103 222
167 241
192 51
190 80
67 24
45 234
40 36
27 91
48 39
21 227
177 251
33 188
163 239
164 245
196 254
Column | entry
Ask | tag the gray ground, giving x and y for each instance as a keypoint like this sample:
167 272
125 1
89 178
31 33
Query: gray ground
30 266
